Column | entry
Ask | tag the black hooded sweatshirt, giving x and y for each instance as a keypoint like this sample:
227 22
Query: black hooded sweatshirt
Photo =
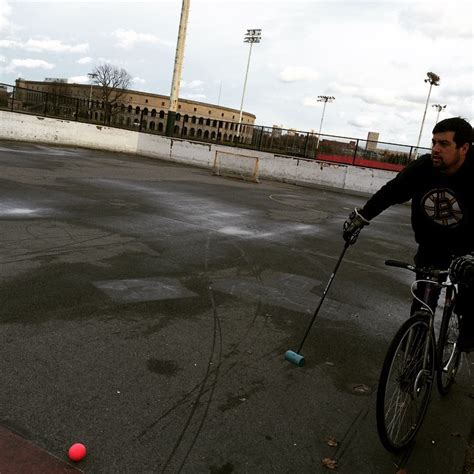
442 208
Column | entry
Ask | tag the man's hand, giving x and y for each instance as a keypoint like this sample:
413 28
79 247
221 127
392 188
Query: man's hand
461 270
353 225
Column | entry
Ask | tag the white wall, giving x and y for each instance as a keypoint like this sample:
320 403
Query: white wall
14 126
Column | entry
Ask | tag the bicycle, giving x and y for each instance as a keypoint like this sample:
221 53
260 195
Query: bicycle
413 359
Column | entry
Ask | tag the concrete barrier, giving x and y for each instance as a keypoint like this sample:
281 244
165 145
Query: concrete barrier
31 128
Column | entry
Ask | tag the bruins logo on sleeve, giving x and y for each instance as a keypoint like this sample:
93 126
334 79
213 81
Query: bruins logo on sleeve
442 207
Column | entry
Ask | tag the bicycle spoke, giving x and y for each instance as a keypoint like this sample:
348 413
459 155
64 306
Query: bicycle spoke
448 354
405 385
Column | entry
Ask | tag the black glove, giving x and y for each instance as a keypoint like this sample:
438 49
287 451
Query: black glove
461 270
353 226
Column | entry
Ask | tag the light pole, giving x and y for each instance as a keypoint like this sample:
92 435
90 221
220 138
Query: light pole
325 99
178 66
91 76
433 80
252 36
439 108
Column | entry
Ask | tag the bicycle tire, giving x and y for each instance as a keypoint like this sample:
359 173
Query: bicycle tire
400 414
448 356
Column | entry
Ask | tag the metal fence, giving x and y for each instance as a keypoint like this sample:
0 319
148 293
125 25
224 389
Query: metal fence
308 145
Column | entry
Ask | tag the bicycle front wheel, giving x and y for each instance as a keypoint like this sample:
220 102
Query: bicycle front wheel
449 356
405 383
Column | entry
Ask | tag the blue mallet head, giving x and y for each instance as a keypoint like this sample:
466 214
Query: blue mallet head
294 358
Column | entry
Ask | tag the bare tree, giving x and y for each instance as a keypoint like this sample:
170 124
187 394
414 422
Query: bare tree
114 83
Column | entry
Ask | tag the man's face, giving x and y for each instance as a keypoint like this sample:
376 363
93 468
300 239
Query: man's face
446 157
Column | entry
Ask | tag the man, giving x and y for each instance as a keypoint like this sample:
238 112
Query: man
441 189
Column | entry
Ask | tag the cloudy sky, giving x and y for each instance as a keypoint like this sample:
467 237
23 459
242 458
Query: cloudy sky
371 56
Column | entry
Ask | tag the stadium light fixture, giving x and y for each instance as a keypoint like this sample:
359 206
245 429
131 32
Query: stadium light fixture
91 76
325 99
252 37
433 80
439 108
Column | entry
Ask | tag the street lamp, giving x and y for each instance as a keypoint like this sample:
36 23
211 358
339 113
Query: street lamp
439 108
325 99
252 36
433 80
91 76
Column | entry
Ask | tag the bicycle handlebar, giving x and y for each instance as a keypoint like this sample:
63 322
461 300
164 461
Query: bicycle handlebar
397 263
439 275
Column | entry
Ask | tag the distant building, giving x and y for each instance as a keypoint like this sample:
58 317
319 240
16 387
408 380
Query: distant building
372 141
337 147
277 130
141 109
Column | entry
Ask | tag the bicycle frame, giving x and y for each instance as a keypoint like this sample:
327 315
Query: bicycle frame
449 299
416 356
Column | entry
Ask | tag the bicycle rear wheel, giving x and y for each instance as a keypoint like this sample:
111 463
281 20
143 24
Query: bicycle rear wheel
448 354
405 386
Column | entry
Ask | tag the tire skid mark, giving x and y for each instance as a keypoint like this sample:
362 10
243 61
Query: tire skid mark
213 385
353 429
204 386
209 381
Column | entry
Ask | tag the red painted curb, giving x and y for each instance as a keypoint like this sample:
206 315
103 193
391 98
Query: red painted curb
19 456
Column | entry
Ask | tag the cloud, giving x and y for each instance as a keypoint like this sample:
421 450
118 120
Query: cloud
78 80
378 95
197 97
362 121
44 45
194 85
3 59
436 21
294 74
138 80
85 60
310 102
128 39
29 64
5 11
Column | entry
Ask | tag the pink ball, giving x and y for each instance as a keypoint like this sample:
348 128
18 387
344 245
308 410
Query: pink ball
77 452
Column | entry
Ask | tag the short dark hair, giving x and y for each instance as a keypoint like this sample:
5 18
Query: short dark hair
462 130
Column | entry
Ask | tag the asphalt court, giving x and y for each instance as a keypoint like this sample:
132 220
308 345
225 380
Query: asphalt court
146 308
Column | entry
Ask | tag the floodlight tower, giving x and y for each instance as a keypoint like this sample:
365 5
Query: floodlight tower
252 37
178 66
91 76
433 80
325 99
439 108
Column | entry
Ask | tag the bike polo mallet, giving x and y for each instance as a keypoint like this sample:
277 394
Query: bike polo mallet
296 357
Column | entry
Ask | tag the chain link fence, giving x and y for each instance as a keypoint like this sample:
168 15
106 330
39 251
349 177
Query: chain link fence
308 145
